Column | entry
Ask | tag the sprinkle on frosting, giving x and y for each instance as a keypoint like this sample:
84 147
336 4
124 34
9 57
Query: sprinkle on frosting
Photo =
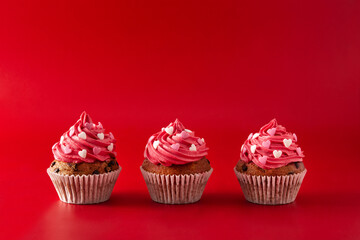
274 147
85 142
178 148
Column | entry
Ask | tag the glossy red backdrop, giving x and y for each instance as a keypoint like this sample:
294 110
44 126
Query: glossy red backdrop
224 68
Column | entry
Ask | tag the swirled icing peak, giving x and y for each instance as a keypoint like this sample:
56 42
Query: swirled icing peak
85 141
271 147
175 145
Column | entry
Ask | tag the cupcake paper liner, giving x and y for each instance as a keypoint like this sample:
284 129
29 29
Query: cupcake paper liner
176 189
270 190
84 189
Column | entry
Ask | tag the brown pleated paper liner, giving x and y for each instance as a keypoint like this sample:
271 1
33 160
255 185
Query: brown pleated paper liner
84 189
176 189
270 190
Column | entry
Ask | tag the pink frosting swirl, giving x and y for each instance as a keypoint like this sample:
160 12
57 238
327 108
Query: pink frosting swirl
85 142
175 145
271 147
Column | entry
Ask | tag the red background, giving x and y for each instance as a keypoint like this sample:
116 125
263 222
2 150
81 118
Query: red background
224 68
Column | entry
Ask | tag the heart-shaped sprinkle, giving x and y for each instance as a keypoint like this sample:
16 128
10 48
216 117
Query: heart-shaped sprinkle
250 136
271 131
188 130
82 135
156 144
88 125
287 142
175 146
266 144
298 150
200 141
192 148
111 135
255 135
100 136
295 137
169 130
100 126
82 153
184 135
110 147
277 153
62 139
263 160
96 150
71 132
253 148
242 148
66 149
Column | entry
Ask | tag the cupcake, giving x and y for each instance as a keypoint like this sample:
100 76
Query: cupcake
85 168
175 168
271 169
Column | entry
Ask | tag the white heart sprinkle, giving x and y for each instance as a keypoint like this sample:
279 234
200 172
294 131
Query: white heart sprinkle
188 130
250 136
253 148
192 148
277 153
169 130
255 135
287 142
62 139
100 136
82 135
242 148
110 147
82 153
156 144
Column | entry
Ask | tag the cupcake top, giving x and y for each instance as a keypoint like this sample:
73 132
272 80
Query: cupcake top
271 147
175 145
85 142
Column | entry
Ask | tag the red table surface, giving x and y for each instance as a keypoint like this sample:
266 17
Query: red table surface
224 68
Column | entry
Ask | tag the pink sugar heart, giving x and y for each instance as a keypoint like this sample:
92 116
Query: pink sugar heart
111 135
184 134
100 126
88 125
71 132
295 137
266 144
66 149
96 150
298 150
263 160
175 146
271 131
200 141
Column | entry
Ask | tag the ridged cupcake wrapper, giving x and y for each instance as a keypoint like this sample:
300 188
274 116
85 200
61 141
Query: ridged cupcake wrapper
84 189
176 189
270 190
